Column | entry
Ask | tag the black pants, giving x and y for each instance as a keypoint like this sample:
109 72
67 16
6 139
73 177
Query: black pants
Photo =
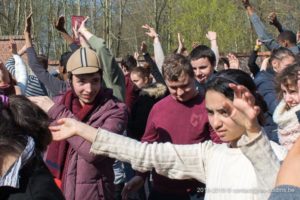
139 195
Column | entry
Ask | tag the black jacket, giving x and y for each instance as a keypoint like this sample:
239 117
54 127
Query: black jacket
36 183
141 108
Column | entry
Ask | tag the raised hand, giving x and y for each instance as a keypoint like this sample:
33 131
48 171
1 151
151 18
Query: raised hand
258 43
298 36
234 63
60 24
244 111
195 44
211 35
272 18
12 46
150 31
82 26
75 30
246 3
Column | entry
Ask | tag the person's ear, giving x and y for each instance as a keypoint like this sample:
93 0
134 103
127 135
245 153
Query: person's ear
146 80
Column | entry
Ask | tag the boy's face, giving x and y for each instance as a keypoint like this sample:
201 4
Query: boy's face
183 89
86 87
203 69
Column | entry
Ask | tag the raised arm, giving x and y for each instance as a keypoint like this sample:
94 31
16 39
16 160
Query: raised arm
53 84
253 67
112 74
158 51
212 37
20 68
60 26
260 28
153 66
272 17
180 43
245 114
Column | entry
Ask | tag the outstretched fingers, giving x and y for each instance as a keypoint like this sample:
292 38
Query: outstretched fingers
82 25
62 129
146 26
244 102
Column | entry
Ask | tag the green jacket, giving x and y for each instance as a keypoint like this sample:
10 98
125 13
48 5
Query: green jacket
112 74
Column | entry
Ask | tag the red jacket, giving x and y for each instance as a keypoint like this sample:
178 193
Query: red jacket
89 176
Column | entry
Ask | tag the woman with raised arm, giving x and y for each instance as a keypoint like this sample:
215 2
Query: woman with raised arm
244 167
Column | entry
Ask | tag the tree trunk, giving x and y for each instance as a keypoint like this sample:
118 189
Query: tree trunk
17 17
78 8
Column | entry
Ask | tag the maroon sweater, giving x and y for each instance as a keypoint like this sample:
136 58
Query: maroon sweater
178 123
130 93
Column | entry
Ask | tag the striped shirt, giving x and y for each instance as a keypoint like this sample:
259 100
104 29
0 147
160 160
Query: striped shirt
34 86
11 177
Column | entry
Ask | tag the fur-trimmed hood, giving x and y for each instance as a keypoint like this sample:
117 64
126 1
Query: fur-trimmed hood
156 90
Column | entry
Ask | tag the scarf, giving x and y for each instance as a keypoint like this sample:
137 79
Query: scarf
58 151
11 177
288 124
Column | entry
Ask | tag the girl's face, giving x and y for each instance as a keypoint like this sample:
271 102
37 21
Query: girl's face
138 81
290 94
225 127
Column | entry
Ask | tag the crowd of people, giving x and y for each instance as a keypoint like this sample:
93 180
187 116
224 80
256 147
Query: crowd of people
191 125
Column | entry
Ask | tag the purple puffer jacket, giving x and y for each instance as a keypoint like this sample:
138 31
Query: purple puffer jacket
89 176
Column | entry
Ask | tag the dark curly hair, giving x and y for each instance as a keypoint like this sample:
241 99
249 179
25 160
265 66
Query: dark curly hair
176 64
19 119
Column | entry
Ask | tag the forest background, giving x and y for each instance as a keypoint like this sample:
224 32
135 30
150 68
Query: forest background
119 22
